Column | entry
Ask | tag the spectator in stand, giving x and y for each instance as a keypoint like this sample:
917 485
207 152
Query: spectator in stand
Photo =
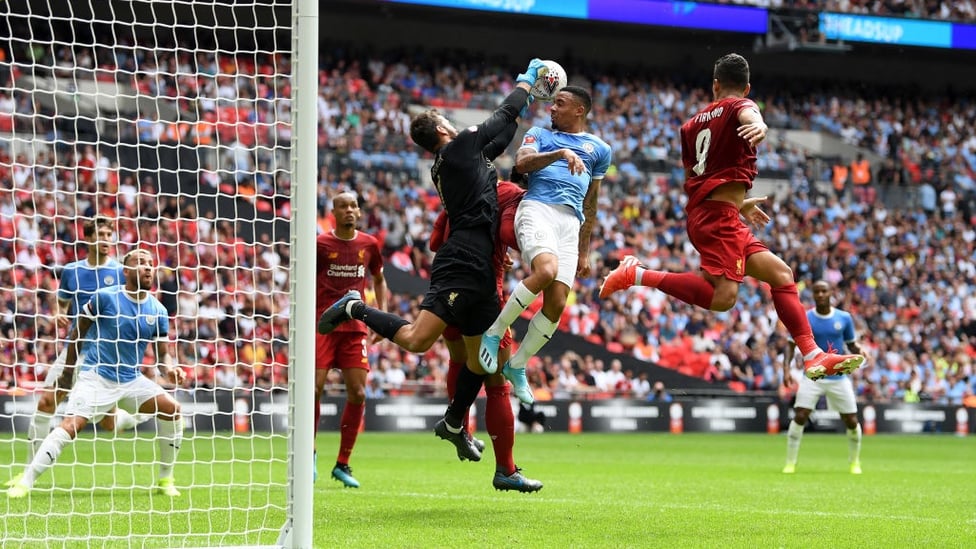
374 389
227 378
659 393
840 177
615 375
861 179
641 386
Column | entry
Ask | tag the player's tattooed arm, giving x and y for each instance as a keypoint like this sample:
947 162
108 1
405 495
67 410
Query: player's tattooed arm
528 160
586 228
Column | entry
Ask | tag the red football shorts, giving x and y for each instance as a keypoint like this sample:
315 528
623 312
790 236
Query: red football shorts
453 333
341 350
722 238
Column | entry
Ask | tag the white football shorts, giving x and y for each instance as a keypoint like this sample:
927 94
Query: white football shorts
93 397
549 228
839 393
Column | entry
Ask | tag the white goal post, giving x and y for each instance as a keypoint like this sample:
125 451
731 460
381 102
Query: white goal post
190 125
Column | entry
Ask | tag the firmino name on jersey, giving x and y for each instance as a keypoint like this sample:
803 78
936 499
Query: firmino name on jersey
706 116
346 271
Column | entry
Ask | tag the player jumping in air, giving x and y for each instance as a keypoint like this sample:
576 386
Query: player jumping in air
718 150
462 282
499 418
565 167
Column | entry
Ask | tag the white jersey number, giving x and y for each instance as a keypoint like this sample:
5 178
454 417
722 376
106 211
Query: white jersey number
702 141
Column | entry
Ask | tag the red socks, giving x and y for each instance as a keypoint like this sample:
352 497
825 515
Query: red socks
318 415
500 424
499 419
794 317
688 287
352 420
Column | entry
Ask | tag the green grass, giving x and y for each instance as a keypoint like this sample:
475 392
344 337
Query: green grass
660 490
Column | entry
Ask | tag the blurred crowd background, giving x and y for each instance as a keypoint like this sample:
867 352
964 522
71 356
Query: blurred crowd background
898 246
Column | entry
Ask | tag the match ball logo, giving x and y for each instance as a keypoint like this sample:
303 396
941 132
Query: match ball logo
550 79
550 84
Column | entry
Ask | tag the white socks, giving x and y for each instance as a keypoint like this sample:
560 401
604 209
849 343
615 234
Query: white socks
538 334
812 355
793 437
795 434
124 421
169 436
521 298
39 428
638 275
46 455
854 444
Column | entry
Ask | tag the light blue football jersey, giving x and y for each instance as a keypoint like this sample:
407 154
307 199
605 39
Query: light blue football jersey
79 281
833 330
554 184
120 332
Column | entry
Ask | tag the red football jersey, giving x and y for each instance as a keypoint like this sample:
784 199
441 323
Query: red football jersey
509 195
712 150
342 265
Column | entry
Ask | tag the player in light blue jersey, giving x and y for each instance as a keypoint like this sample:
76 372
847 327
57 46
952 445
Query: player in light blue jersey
832 329
565 166
116 326
77 283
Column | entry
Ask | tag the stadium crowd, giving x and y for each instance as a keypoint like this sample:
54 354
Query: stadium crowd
906 272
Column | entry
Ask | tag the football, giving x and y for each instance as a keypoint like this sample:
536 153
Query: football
552 78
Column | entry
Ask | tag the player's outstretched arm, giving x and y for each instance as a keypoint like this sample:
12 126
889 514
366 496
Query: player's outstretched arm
497 131
589 217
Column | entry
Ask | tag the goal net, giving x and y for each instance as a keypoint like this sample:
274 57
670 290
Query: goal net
173 120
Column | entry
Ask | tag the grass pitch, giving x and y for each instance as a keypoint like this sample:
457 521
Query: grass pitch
615 490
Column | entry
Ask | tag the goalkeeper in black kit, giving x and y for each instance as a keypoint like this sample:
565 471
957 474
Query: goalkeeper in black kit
462 282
